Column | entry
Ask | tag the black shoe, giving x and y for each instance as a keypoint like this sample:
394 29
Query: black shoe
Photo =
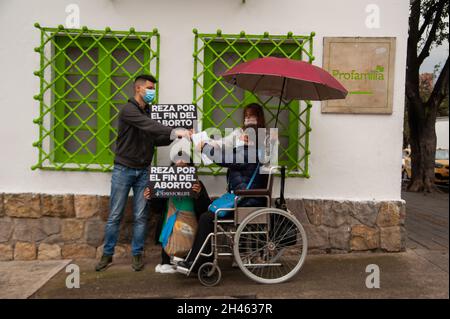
138 263
104 263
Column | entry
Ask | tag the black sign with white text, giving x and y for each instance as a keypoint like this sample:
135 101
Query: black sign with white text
169 181
174 115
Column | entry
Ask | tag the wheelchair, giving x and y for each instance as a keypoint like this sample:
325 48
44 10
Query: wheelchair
268 244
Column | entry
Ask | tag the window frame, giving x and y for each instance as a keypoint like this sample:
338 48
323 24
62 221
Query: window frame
54 44
265 45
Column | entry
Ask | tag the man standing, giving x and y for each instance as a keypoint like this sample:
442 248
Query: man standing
138 135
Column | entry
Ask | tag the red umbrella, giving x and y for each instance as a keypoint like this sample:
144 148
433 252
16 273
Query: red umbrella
286 78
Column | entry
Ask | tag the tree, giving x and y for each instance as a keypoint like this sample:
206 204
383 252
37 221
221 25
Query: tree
443 108
427 28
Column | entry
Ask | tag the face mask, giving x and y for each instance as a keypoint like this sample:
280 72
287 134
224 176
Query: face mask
250 121
149 95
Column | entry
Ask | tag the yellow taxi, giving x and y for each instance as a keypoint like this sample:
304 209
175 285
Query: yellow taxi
440 165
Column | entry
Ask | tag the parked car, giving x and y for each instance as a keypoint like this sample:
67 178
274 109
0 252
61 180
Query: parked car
440 166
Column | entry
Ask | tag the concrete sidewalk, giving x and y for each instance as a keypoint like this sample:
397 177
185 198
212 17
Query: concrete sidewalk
21 279
419 272
402 275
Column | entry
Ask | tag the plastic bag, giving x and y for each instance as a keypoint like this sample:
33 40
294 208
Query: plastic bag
179 232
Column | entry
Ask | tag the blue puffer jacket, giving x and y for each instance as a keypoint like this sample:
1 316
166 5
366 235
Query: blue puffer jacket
240 171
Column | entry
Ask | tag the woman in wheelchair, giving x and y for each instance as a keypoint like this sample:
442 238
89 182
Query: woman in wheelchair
242 163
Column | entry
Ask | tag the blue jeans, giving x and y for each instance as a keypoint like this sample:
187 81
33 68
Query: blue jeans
123 179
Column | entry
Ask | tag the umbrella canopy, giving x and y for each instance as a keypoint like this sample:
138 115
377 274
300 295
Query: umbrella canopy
286 78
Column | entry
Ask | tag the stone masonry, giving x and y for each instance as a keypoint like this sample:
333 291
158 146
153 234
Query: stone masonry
43 226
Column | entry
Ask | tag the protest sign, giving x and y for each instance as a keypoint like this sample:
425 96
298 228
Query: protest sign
169 181
174 115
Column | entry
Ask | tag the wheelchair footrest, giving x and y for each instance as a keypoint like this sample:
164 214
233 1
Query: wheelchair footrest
225 221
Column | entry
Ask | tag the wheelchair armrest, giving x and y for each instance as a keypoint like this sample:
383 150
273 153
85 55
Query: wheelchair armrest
250 192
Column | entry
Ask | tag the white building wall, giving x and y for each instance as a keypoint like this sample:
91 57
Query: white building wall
442 132
352 156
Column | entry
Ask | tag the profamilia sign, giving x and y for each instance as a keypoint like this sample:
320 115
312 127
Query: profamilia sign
365 67
169 181
174 115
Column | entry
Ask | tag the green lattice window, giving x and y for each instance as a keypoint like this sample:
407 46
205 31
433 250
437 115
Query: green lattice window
221 103
85 78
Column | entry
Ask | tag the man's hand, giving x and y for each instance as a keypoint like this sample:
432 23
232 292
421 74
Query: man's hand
212 143
147 193
183 133
201 145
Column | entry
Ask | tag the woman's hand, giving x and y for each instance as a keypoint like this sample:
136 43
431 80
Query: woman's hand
244 138
273 135
147 193
197 187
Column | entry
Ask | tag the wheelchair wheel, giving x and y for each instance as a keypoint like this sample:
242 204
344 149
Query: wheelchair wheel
270 246
209 274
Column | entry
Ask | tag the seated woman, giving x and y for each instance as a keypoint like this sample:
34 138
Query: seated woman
198 204
241 163
253 116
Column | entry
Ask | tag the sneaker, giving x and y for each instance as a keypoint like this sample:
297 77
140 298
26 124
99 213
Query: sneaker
167 269
138 263
104 263
175 260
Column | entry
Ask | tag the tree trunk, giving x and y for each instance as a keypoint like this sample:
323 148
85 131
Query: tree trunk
423 150
421 114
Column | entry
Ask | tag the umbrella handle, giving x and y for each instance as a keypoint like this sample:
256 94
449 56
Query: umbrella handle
279 102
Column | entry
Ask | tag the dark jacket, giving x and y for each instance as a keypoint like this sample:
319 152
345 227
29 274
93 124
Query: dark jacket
138 135
240 174
159 205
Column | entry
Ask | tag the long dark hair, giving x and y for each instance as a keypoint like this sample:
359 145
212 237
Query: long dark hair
258 111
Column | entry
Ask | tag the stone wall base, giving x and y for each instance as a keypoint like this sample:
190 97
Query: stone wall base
44 226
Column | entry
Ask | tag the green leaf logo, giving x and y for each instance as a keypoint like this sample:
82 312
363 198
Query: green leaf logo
380 68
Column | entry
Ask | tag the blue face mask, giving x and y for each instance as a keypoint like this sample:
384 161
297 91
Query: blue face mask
149 95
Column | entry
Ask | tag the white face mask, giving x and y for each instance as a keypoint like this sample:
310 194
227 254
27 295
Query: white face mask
251 120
